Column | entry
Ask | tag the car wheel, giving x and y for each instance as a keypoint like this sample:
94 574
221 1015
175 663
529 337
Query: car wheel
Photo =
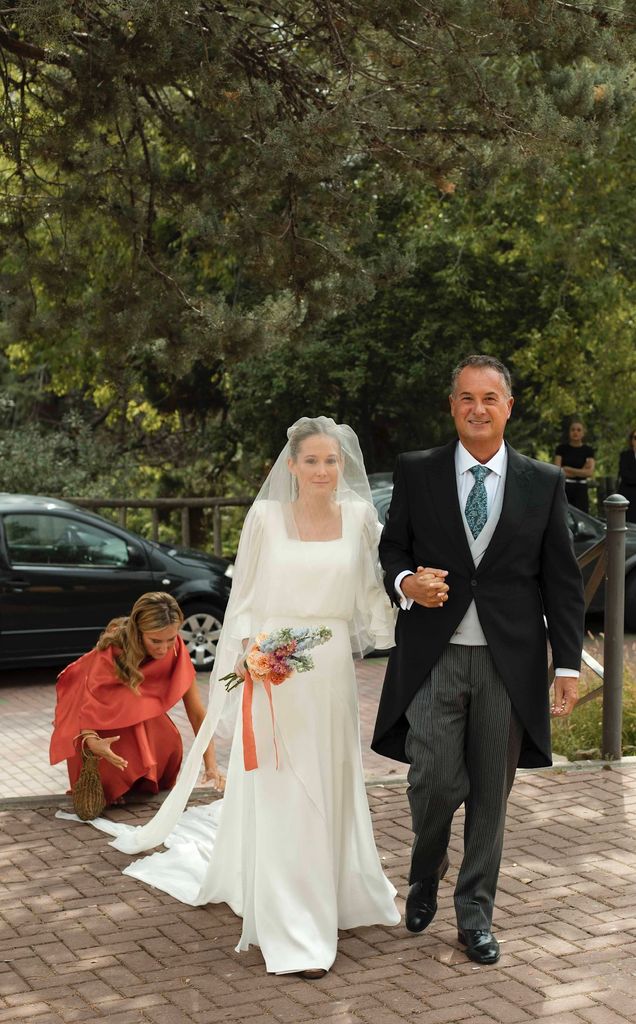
630 602
200 632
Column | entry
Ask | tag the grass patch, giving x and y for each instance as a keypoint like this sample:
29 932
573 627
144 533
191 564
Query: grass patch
579 736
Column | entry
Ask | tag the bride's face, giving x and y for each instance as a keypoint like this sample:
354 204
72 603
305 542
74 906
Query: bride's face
317 465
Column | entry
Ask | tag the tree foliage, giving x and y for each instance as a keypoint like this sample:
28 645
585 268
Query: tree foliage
188 182
213 217
538 272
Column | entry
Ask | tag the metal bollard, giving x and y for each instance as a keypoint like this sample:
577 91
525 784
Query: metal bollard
615 508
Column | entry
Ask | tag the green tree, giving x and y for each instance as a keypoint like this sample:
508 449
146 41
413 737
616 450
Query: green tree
186 183
539 272
203 208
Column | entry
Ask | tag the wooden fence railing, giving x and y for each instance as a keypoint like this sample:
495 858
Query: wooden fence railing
185 505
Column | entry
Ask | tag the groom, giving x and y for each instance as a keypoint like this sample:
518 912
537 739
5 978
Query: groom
465 698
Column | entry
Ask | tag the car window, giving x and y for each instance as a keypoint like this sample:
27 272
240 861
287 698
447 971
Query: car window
39 539
382 500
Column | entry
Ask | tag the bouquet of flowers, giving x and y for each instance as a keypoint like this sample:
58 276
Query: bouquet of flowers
271 661
276 655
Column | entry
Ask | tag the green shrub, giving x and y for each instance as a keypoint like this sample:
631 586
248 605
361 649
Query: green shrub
579 736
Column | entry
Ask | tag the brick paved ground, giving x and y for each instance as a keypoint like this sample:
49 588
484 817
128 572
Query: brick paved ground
81 942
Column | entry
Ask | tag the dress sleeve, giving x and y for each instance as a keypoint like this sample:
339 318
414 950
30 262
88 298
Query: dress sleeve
238 620
374 618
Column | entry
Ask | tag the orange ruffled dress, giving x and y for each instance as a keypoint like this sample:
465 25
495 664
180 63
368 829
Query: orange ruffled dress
91 696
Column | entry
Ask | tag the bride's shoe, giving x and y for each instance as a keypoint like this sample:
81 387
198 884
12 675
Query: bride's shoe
313 973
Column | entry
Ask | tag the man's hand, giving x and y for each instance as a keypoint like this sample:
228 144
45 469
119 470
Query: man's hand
426 587
566 694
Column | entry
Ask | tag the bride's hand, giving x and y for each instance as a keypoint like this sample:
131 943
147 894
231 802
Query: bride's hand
239 668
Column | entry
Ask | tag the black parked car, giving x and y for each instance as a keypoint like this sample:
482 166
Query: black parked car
586 530
65 572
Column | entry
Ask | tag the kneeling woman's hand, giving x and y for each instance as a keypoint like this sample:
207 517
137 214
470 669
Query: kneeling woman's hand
215 776
211 771
101 747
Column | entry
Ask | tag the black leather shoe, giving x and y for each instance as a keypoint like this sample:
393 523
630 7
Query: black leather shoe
421 902
481 946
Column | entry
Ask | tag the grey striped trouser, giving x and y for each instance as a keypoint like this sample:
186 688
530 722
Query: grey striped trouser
463 746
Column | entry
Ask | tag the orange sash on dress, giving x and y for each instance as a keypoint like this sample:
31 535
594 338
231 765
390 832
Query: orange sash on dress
250 759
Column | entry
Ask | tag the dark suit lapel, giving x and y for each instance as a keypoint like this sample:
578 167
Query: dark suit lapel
445 501
516 494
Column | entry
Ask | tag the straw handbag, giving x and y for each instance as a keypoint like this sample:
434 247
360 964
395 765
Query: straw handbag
87 794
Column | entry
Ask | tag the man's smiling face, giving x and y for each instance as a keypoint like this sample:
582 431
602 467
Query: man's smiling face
481 407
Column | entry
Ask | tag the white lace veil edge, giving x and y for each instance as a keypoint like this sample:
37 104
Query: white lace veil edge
353 485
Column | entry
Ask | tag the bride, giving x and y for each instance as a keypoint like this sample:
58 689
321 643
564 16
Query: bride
290 847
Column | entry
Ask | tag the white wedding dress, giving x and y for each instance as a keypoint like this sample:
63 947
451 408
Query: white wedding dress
291 849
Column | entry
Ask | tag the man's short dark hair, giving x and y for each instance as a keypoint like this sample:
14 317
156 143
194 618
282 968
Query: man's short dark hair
482 362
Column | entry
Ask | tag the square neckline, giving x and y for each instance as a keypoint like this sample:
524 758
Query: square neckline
331 540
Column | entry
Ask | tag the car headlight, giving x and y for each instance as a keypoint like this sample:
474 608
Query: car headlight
229 572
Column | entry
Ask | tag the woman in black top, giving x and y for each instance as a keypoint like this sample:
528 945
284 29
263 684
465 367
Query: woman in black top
577 462
627 476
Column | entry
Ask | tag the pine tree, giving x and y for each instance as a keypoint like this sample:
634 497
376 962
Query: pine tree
183 185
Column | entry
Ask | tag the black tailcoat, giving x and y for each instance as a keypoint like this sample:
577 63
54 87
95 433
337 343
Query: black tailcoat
528 571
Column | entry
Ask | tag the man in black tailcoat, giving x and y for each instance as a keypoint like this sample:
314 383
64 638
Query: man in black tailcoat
466 694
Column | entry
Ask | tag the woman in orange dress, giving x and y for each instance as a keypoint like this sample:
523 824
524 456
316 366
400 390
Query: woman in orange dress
115 700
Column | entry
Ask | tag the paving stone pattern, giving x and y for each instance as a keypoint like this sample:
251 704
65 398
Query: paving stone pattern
81 942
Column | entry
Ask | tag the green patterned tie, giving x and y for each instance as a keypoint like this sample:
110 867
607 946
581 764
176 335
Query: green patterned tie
477 501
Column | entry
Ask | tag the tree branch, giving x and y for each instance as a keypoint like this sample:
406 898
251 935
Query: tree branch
29 51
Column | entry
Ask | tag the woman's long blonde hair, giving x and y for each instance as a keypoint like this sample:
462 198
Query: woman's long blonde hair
152 611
